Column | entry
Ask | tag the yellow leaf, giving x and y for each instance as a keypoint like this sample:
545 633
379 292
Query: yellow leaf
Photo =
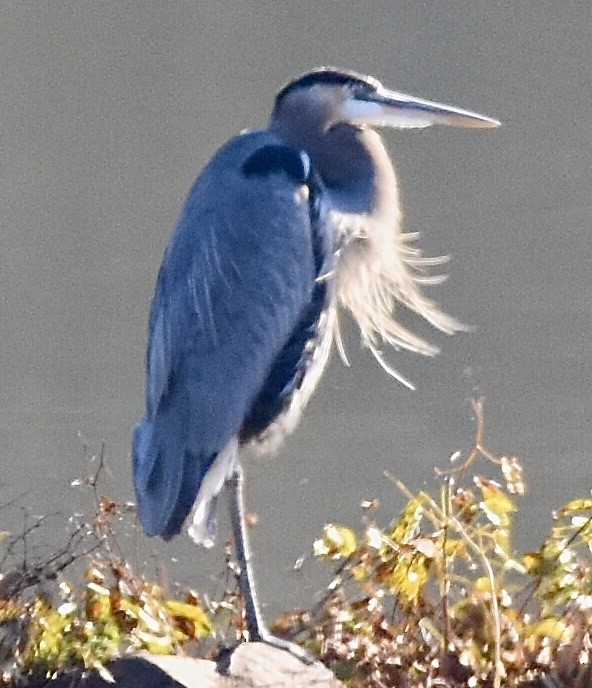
494 495
409 576
496 504
552 628
577 505
532 562
483 584
337 542
501 537
407 527
191 612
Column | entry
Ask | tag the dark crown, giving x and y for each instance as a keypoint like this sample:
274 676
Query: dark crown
329 76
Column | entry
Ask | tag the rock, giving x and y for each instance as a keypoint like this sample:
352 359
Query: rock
251 665
257 665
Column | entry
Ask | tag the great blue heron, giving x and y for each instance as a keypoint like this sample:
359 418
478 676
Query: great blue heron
282 227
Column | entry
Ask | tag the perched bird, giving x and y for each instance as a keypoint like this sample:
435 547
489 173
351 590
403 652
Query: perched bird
282 228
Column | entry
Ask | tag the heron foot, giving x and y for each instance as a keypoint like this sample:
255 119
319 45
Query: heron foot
265 636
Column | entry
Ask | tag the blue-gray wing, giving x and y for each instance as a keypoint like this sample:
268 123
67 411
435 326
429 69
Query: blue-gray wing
236 284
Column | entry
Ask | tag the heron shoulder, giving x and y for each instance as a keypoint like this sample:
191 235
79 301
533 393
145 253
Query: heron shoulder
259 153
273 158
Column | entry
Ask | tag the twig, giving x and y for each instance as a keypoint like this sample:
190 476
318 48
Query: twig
499 668
478 449
445 588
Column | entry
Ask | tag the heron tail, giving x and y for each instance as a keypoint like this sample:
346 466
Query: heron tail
171 482
166 478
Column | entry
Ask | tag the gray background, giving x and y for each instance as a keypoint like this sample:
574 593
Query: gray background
110 109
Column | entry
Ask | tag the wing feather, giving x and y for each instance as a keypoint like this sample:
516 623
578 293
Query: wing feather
236 279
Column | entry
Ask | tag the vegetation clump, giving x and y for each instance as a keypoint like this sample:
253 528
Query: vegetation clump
439 598
436 598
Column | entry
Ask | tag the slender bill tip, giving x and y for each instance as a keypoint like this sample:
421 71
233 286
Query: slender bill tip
471 120
393 109
429 112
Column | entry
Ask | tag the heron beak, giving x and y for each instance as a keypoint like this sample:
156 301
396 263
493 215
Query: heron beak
384 108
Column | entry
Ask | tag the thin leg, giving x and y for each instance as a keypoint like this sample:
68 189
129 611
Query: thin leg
256 626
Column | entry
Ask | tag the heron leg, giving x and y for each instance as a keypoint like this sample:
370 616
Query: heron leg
256 626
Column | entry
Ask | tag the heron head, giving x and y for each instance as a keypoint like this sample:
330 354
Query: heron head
320 99
329 113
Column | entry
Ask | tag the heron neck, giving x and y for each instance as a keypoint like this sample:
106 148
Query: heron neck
358 173
353 164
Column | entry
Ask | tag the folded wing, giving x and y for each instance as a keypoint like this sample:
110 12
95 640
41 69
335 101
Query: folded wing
236 300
